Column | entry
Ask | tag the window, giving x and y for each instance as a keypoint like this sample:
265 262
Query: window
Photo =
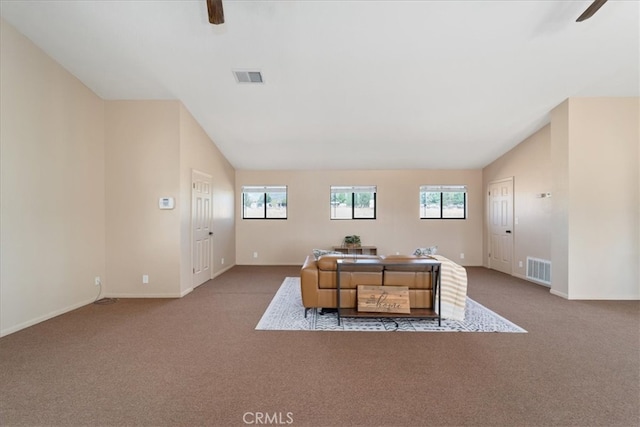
443 202
264 202
357 202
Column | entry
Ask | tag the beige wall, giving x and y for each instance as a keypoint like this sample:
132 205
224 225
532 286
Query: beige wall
396 229
588 157
529 164
560 205
152 149
142 165
52 184
198 153
81 179
604 197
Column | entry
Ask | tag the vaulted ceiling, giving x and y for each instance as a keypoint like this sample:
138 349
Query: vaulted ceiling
347 84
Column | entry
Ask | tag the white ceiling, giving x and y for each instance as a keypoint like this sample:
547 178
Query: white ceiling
348 84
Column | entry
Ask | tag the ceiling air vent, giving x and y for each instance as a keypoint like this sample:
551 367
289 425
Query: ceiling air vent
248 76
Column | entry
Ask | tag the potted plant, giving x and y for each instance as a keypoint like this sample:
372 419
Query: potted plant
351 241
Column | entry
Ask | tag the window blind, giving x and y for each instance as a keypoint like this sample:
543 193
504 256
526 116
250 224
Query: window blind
264 189
443 188
335 189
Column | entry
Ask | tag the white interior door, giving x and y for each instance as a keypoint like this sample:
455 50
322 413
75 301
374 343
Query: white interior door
501 225
201 219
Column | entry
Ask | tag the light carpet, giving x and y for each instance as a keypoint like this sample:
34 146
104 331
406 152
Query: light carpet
286 313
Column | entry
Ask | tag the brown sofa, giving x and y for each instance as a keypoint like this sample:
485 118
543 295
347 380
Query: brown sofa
318 281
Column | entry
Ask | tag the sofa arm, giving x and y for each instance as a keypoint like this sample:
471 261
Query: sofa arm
309 283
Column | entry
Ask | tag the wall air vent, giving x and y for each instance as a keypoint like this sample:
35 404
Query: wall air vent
243 76
539 270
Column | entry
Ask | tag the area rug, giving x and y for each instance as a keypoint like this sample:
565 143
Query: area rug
286 313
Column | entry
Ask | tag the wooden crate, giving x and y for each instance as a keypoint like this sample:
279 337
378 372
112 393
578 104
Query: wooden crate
383 299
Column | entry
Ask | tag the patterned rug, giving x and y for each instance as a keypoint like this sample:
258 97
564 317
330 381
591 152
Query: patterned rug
286 313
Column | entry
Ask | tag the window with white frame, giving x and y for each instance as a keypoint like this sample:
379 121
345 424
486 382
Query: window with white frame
443 202
264 202
353 202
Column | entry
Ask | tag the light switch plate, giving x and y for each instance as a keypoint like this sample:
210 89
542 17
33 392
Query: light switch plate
166 203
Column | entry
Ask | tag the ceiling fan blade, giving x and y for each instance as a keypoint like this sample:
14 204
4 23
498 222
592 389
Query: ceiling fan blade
593 8
216 14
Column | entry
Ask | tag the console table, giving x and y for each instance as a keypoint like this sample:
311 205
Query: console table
368 250
430 265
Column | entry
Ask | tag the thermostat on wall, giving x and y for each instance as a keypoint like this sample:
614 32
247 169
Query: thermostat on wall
166 203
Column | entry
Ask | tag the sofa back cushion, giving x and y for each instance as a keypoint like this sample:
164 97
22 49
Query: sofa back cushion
406 275
412 279
328 262
404 258
349 279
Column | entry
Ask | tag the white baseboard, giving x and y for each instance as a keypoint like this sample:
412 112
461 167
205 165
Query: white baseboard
520 276
559 294
523 277
168 295
223 271
40 319
275 264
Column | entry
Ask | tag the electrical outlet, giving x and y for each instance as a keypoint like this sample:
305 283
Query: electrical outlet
461 255
255 254
145 279
97 281
520 264
222 261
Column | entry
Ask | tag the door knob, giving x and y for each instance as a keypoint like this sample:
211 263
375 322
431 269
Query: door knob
211 233
508 231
